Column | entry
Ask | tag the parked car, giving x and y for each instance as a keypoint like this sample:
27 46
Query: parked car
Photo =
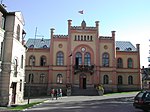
142 100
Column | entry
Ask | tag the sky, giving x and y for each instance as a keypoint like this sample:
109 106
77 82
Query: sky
129 18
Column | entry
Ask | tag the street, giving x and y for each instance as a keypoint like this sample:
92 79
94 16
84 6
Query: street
62 105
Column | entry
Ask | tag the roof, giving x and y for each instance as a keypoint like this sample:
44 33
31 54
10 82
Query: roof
38 43
124 46
45 43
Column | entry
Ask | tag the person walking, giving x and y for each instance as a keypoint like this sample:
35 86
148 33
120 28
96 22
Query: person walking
60 93
52 93
56 92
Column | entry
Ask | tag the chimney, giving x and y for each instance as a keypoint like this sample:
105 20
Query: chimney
97 23
113 34
52 32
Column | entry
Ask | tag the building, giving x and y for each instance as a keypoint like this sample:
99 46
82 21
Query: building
81 60
12 54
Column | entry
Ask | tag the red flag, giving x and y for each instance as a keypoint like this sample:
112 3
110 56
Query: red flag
81 12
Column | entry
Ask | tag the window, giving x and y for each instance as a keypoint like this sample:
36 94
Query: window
42 78
44 46
78 37
75 37
105 79
120 79
31 46
31 78
15 67
117 48
119 63
91 38
87 59
18 32
60 58
130 80
59 78
21 61
78 58
130 63
32 60
105 60
43 61
20 85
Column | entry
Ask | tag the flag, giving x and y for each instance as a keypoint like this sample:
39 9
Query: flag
81 12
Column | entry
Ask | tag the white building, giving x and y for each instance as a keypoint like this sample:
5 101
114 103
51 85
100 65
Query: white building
12 57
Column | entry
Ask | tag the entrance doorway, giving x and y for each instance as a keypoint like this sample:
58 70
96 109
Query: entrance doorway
83 81
13 86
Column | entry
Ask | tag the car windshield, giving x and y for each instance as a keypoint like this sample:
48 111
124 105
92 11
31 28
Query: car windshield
139 95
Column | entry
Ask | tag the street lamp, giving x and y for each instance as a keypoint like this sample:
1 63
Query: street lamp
32 64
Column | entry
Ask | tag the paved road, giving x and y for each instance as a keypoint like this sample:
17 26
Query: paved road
121 103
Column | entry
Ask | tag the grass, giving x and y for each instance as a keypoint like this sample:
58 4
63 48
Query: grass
21 107
121 93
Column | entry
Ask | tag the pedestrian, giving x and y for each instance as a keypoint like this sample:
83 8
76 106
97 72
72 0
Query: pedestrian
60 93
52 93
56 92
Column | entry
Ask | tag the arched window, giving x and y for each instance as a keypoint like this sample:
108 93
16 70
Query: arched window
59 78
22 61
105 79
15 67
87 59
120 80
42 78
18 32
105 60
78 58
130 63
130 80
43 61
32 60
31 78
119 63
60 58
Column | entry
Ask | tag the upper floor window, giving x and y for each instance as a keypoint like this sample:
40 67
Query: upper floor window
43 61
60 58
15 67
42 78
106 79
20 85
18 32
120 80
59 78
78 58
130 63
117 48
130 80
22 61
119 63
31 46
87 59
105 60
32 60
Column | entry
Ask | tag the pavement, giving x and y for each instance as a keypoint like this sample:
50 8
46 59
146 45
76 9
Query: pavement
77 98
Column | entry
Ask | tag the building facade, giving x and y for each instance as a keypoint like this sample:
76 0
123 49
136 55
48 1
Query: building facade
81 60
12 57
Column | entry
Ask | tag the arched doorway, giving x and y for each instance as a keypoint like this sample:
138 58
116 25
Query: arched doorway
82 79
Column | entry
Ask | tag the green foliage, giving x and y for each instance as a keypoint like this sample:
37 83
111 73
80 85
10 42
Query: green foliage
21 107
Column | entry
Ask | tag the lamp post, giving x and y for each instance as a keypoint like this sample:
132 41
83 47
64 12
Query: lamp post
32 64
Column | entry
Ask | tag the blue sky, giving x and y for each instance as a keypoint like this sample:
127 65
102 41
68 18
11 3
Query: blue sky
129 18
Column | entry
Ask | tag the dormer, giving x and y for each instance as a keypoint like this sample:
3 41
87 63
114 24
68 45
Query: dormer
83 24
